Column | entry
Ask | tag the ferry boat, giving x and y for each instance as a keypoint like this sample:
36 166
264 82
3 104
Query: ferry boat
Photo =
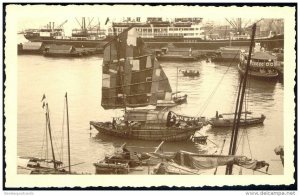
263 66
188 33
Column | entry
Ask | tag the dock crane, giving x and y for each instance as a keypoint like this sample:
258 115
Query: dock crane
62 24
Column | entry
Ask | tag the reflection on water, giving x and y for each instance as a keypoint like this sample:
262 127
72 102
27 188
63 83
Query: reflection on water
81 78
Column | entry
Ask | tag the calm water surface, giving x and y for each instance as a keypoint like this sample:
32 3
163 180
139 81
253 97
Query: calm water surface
81 78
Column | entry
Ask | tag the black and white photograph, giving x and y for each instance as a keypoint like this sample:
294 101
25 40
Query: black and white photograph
107 95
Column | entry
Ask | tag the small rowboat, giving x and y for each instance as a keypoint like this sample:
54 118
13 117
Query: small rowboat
190 73
180 99
121 162
220 121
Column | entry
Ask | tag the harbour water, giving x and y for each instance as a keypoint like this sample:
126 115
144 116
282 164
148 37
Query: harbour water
81 78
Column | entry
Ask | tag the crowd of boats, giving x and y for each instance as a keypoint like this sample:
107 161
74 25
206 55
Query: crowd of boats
132 80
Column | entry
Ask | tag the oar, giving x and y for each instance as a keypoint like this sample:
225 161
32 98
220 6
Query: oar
158 147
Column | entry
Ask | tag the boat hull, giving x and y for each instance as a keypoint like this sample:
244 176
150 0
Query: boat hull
200 44
176 58
229 122
190 74
158 43
76 43
152 134
258 75
105 168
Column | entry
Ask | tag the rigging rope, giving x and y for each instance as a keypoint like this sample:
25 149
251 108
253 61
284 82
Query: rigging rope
215 89
47 139
42 148
243 146
53 138
249 144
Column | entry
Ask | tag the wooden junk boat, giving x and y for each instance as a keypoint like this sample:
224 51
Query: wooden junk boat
263 66
247 120
132 78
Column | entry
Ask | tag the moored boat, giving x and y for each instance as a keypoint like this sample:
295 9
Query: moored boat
222 121
228 54
123 161
85 37
132 78
263 66
188 33
187 163
190 73
31 48
54 50
172 53
151 125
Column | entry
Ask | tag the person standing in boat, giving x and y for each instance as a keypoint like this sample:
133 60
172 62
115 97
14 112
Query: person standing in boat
169 119
114 123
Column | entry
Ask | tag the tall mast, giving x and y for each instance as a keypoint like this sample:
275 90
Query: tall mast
119 66
50 136
177 82
46 136
232 149
83 23
68 131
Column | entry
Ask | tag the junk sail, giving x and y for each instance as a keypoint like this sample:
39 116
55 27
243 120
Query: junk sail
130 76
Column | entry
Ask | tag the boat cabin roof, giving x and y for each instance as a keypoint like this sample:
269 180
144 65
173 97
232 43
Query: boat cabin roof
263 56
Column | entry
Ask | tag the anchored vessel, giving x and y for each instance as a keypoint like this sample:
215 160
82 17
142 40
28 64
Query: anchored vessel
87 36
123 161
192 33
221 121
263 66
132 78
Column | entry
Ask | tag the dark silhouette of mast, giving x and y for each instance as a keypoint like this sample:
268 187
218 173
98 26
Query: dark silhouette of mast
69 156
120 71
50 136
239 106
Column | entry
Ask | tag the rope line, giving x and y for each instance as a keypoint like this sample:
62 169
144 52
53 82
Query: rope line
215 89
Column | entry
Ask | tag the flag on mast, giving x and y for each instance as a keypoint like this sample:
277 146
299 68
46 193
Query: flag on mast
44 97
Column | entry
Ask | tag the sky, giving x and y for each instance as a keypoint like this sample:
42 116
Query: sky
39 16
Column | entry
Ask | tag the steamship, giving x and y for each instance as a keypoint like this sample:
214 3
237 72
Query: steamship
192 33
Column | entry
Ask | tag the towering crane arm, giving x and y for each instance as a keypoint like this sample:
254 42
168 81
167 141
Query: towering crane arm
62 24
